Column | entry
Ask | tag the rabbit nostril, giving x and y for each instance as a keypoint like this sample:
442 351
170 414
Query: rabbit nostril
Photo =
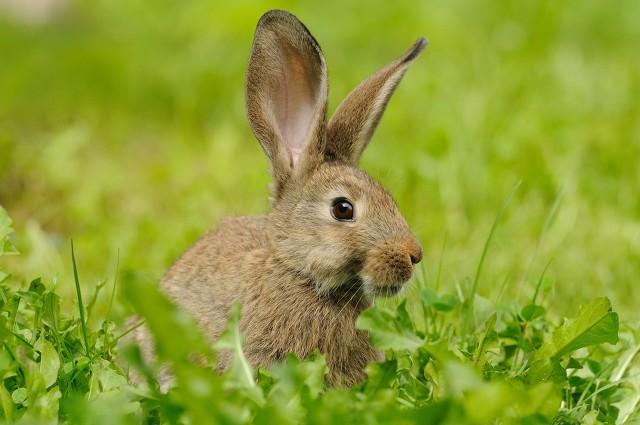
416 257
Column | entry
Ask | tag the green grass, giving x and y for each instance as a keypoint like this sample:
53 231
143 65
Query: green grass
122 127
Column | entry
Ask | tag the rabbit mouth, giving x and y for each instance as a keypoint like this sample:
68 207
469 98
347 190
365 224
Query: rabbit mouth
387 290
364 285
377 289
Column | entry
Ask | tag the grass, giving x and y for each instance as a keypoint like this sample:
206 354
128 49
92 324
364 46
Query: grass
122 127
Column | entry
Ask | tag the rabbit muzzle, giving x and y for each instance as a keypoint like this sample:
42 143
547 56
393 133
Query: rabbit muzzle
389 265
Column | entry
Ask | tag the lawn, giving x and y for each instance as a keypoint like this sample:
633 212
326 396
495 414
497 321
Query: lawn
512 147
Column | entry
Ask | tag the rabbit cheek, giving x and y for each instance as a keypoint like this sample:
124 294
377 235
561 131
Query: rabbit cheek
386 269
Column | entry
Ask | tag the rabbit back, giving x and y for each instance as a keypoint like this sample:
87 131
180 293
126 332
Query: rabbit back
210 277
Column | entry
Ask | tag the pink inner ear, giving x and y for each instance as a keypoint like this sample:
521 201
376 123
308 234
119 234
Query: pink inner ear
295 103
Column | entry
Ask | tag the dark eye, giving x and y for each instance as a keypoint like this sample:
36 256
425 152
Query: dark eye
342 209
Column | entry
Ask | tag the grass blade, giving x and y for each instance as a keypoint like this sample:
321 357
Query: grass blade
115 284
539 285
80 303
553 212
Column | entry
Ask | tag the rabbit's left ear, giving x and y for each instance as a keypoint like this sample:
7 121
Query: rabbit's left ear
352 125
286 93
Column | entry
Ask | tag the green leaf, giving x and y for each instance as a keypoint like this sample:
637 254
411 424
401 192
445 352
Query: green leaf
380 375
45 406
51 309
594 324
531 312
104 379
428 296
385 331
49 361
19 396
313 369
403 319
574 364
443 302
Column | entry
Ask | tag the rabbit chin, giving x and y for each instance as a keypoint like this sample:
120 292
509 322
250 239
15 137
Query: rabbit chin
375 289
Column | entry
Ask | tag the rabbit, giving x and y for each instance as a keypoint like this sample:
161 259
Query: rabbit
334 238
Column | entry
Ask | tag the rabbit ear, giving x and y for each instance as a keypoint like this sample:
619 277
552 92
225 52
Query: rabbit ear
286 94
357 117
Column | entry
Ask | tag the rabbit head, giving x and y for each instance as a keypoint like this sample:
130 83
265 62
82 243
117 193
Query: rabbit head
330 221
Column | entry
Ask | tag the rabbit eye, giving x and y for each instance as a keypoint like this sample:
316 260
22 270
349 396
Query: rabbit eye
342 210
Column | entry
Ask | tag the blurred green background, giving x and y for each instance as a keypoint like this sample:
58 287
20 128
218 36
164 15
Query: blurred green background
122 126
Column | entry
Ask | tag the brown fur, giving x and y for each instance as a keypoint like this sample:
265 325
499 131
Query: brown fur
301 276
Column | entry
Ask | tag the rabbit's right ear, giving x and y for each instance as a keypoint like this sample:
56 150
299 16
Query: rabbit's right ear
286 94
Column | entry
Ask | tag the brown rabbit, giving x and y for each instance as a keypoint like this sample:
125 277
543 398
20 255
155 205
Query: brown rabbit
333 239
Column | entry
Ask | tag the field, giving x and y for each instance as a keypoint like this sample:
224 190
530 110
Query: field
512 147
